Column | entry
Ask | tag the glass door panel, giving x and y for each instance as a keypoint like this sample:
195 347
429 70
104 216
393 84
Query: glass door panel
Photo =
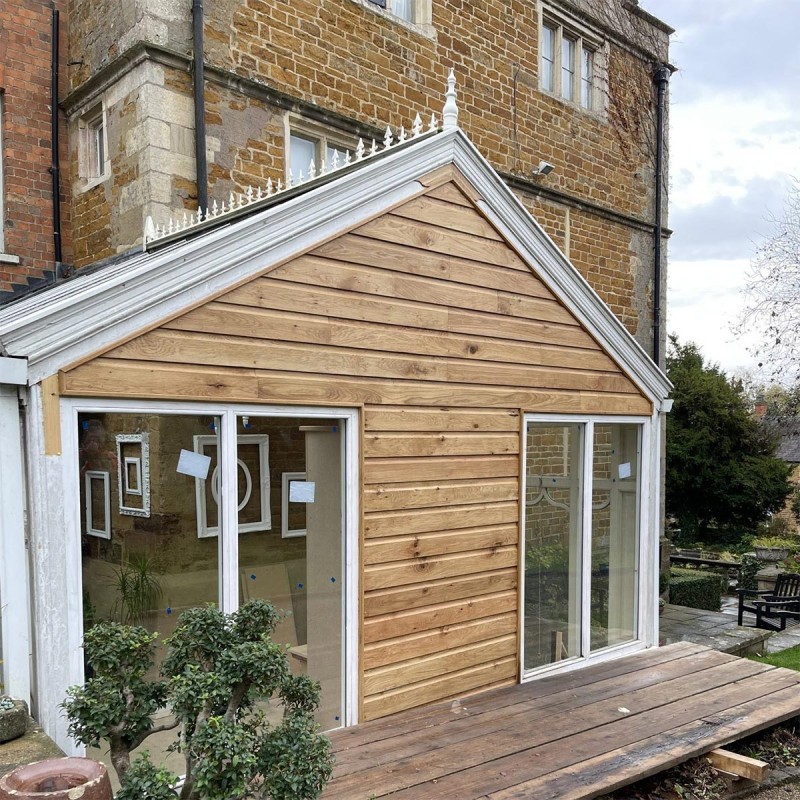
615 521
553 549
291 535
147 555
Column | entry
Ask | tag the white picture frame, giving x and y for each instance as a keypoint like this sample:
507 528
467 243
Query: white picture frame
286 479
91 476
133 449
260 483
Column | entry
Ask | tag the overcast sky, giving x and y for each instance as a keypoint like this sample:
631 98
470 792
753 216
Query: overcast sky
734 148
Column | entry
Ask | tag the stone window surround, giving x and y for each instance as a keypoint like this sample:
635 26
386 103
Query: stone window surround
91 122
5 258
324 137
566 25
422 15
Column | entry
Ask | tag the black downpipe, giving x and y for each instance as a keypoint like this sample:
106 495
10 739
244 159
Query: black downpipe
661 79
199 106
55 162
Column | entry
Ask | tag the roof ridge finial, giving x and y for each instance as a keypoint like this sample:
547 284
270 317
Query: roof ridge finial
450 110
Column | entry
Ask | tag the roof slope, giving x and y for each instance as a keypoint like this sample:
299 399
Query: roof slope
70 321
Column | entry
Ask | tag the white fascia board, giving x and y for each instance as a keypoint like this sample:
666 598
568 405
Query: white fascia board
14 371
165 283
505 211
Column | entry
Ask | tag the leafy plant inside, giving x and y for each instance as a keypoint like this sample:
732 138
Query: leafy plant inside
216 669
138 589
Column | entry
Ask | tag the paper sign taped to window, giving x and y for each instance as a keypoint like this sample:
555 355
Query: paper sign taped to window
624 470
301 491
194 464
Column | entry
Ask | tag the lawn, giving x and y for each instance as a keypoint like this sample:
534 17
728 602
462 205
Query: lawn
785 658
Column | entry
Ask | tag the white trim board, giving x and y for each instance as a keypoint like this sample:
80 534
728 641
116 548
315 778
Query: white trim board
94 311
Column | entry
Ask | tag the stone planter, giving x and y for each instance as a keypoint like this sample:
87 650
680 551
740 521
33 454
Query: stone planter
57 779
13 721
772 553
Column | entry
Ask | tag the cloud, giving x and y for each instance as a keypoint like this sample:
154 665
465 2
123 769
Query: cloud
727 227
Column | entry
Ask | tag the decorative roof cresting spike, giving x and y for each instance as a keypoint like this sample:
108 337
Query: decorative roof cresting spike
450 110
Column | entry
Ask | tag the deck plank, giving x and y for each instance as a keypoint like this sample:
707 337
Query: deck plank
573 735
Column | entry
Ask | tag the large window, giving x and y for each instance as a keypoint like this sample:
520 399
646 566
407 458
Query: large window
93 157
582 549
568 58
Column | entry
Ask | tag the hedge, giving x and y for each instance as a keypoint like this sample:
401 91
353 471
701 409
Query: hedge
695 589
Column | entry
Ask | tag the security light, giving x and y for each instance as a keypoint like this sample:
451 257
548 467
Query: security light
544 168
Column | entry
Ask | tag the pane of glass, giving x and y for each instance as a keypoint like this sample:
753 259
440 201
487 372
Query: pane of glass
552 543
302 152
297 566
615 520
567 67
548 57
587 78
155 562
334 155
403 9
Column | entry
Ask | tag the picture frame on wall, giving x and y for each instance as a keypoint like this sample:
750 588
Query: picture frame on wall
133 473
97 499
287 531
254 485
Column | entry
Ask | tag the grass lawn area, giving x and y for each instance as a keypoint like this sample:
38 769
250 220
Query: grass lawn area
785 658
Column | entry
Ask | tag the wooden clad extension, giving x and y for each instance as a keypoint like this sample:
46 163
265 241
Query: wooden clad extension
427 320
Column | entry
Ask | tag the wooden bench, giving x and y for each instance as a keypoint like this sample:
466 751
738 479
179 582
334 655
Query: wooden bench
775 606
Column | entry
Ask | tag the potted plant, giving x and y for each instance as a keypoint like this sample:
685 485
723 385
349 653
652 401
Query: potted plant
13 718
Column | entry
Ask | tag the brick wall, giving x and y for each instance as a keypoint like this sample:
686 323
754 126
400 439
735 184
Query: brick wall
362 67
25 55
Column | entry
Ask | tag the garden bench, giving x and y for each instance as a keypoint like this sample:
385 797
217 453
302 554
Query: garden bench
775 606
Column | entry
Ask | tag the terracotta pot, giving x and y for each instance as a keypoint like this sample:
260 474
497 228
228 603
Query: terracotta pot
57 779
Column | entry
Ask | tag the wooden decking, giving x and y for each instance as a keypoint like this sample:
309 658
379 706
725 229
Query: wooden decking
576 735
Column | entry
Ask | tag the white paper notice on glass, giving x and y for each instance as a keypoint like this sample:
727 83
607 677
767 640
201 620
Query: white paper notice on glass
301 491
194 464
624 471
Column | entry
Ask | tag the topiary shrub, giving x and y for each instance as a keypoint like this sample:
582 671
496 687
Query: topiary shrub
695 589
216 669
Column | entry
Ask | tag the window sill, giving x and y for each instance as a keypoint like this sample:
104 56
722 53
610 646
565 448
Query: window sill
90 183
599 115
423 29
7 258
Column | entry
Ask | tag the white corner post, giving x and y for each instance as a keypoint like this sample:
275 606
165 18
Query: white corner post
14 596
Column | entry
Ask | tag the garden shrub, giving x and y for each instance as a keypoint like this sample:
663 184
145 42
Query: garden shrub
695 589
749 570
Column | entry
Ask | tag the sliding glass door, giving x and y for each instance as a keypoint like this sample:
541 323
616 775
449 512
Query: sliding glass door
581 522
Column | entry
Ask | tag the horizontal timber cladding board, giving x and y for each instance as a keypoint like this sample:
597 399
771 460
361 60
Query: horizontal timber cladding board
453 659
450 216
399 548
451 193
243 352
406 598
401 523
393 651
108 377
436 688
395 497
440 444
259 323
402 623
385 283
391 228
432 468
271 292
469 272
381 418
402 573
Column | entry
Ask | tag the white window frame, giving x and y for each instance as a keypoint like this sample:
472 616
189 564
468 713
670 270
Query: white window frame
286 480
71 620
420 17
647 541
90 476
585 40
94 163
322 136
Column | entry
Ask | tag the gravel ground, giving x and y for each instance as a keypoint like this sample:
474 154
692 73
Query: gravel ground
790 791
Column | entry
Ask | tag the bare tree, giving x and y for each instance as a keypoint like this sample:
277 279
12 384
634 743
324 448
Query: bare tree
773 296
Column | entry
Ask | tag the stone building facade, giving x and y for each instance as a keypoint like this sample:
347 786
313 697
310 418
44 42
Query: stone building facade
567 83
